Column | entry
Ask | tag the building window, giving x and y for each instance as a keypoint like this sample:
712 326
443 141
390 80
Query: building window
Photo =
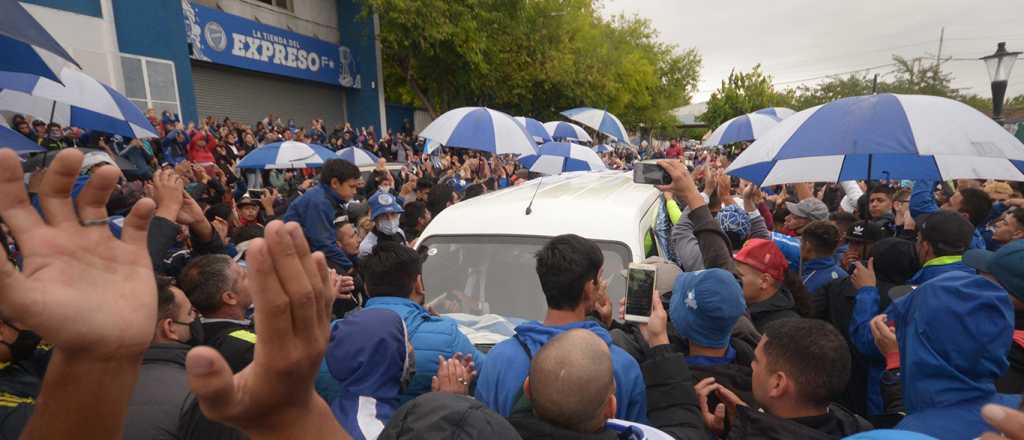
150 82
283 4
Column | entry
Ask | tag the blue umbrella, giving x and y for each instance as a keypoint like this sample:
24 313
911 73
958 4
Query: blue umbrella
26 46
357 156
535 128
16 141
559 157
599 120
567 131
80 102
748 127
480 128
286 155
883 137
604 148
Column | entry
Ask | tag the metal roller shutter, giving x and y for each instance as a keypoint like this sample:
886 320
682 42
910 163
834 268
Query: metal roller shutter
249 96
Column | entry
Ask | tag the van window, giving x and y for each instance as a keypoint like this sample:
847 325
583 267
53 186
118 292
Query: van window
479 275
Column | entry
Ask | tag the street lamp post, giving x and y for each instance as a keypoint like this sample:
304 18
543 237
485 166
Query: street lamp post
999 65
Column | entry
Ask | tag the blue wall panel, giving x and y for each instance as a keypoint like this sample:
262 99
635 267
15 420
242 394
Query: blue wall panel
156 28
362 105
84 7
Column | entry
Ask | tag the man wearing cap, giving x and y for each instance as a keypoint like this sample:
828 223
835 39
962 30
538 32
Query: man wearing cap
762 269
248 211
1006 268
385 211
859 238
800 215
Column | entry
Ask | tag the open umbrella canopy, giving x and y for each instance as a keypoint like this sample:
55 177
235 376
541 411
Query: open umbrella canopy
748 127
286 155
482 129
599 120
357 156
559 157
81 102
535 128
16 141
26 46
604 148
562 131
883 137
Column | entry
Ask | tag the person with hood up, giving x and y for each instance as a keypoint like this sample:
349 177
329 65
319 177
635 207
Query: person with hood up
1006 267
447 416
570 272
948 363
371 359
763 271
386 212
174 147
200 148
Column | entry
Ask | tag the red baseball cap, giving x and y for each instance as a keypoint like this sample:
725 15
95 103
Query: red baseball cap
765 256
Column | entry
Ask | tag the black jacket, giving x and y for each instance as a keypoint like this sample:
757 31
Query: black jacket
735 376
671 401
235 340
838 423
160 241
161 394
531 427
20 384
444 416
779 306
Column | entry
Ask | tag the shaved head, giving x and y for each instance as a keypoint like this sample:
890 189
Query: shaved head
571 379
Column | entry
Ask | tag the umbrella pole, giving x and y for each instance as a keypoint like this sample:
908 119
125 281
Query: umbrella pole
870 156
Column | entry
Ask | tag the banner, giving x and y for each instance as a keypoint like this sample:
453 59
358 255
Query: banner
222 38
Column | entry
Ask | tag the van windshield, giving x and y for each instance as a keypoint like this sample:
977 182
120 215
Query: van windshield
474 277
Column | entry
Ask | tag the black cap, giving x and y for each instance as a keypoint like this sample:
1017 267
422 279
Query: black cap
946 228
864 231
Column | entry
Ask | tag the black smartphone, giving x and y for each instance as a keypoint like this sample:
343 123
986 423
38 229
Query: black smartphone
256 193
650 173
639 290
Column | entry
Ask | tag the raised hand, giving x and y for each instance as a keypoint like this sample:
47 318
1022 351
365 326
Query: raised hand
682 185
273 397
169 190
452 377
864 276
656 330
885 338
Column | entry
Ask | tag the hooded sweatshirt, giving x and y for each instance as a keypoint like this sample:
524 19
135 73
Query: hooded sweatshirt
953 333
366 356
173 150
508 364
201 154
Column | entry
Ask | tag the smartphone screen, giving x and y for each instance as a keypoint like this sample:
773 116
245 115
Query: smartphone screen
639 290
650 173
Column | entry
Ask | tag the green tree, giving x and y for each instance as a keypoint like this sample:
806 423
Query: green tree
530 57
743 92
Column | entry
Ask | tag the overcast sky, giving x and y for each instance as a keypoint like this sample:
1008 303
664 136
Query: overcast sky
795 40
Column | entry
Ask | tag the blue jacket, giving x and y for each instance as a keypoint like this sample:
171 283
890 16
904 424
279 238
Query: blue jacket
174 151
922 201
366 358
953 332
790 247
315 211
507 366
431 336
821 271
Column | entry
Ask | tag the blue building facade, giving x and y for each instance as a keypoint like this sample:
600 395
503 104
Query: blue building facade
242 59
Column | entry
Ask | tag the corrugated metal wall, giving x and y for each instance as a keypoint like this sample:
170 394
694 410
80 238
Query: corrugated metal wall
248 97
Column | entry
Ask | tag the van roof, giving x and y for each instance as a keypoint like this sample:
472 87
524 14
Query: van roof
597 205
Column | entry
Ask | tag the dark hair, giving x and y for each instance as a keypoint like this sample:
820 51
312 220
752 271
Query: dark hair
1018 214
246 233
52 125
424 184
165 307
565 265
222 210
440 197
38 122
843 217
977 204
391 269
801 297
474 190
414 211
812 354
205 279
822 236
882 189
342 170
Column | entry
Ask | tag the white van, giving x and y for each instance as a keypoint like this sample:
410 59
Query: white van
480 267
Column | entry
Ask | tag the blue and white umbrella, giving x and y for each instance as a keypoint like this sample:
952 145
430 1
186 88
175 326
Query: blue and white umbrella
559 157
482 129
80 102
604 148
883 137
16 141
748 127
357 156
599 120
286 155
567 131
535 128
431 146
26 46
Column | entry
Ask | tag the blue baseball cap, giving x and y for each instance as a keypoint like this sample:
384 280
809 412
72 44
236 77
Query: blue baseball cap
705 306
384 203
1005 264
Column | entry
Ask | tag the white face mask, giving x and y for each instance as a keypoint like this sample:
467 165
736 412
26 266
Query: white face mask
388 226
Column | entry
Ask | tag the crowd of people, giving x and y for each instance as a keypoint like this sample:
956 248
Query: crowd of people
184 298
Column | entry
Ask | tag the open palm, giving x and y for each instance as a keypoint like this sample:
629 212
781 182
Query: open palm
81 289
